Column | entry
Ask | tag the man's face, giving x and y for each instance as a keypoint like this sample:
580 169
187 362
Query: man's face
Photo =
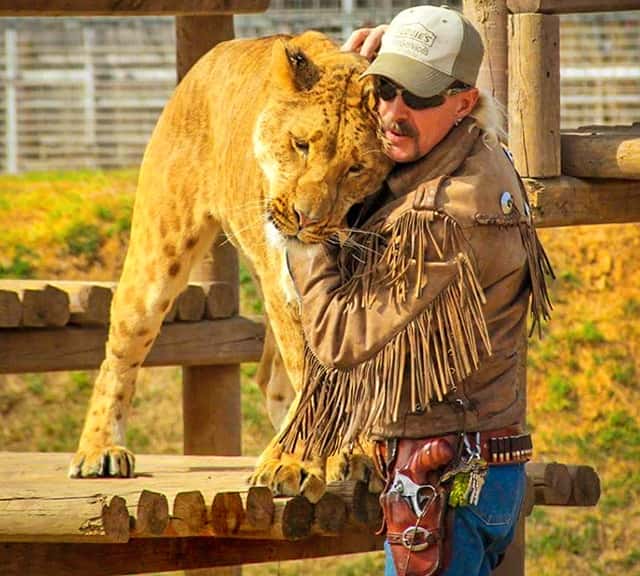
413 133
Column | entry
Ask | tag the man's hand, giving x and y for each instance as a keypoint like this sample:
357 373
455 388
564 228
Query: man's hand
365 41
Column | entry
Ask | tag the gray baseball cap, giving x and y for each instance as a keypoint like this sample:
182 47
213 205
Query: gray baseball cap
427 48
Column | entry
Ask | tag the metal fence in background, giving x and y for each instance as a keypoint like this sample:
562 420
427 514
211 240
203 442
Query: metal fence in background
86 93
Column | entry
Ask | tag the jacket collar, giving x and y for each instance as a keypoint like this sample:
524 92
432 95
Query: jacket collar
447 156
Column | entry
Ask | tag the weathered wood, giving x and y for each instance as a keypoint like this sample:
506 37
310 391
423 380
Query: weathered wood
221 300
227 513
259 507
164 554
330 514
585 490
601 154
128 7
95 510
189 513
568 201
42 303
10 308
190 304
294 519
551 482
228 341
212 409
46 517
571 6
90 302
490 19
152 514
534 94
529 497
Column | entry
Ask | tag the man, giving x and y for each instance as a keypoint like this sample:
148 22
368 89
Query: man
413 331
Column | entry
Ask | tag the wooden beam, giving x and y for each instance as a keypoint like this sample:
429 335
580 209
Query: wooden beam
551 482
83 518
228 341
54 302
490 19
571 6
164 554
534 94
10 308
128 7
567 201
601 153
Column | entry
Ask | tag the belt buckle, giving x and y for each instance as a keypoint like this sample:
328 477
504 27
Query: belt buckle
409 536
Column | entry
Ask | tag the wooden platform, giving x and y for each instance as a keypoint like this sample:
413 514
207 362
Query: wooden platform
179 512
184 512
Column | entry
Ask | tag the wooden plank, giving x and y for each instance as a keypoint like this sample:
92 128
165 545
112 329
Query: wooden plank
41 504
228 341
571 6
163 554
128 7
601 153
534 94
567 201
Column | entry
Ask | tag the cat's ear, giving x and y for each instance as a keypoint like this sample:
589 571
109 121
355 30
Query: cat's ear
291 68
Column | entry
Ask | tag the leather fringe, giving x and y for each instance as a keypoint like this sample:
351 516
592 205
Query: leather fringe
434 352
539 268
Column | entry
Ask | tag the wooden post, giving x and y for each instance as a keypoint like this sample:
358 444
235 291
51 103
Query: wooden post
534 94
210 394
490 19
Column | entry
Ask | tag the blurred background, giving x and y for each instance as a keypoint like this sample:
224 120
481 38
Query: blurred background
78 101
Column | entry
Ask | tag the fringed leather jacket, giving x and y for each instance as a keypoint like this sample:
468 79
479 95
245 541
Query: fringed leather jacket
414 328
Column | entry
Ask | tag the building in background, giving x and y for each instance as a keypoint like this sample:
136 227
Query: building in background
86 93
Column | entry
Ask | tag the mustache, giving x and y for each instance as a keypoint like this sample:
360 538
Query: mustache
400 127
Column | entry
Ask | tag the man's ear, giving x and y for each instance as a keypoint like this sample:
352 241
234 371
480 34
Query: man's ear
467 101
291 68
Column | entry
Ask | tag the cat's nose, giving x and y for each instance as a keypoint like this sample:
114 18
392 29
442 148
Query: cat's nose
303 219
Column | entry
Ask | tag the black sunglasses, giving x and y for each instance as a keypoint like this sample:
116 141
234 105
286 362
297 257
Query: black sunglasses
387 91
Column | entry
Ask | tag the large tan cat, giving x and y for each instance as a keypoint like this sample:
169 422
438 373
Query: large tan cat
270 141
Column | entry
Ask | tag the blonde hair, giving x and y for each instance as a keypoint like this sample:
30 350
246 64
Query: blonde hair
490 116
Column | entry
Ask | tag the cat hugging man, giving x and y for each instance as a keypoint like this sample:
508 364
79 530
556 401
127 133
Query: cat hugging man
414 337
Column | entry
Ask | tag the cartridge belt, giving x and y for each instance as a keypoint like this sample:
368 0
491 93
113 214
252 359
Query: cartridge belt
505 446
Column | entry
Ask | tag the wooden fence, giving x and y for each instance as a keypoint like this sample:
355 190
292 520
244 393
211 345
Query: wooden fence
80 93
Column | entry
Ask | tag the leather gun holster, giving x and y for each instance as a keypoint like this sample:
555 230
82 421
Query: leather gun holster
415 503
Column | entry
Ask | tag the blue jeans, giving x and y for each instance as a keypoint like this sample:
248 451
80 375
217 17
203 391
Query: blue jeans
482 533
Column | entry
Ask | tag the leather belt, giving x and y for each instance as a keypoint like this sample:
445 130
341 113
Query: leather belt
501 446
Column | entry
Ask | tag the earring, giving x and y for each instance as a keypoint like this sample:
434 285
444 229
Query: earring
458 120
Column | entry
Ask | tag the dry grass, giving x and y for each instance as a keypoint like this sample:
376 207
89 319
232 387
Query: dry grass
583 376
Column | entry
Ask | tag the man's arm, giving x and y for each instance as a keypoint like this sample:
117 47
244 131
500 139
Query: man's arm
340 328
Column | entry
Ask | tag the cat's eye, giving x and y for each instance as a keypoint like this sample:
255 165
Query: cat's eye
302 146
355 169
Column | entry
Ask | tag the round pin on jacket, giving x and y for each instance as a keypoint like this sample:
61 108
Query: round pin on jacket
506 203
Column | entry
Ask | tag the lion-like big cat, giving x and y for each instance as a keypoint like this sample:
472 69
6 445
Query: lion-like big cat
269 141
